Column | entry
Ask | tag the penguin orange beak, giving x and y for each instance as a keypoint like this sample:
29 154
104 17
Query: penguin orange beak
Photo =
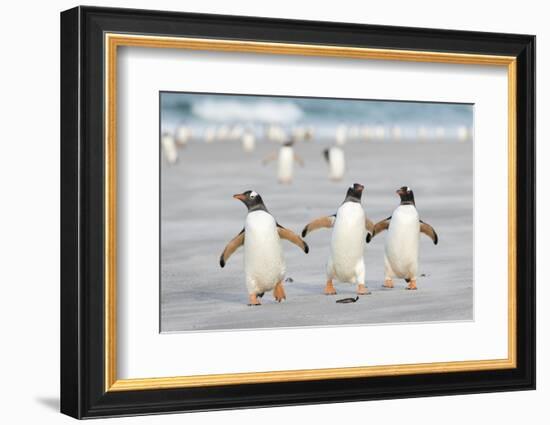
240 196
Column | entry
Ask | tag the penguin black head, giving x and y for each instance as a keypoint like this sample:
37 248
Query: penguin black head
354 193
325 153
289 143
406 194
252 200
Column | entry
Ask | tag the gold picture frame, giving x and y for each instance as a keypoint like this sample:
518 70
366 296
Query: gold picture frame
114 41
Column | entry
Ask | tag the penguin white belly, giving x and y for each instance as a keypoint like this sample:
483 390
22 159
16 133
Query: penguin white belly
285 163
264 263
249 142
401 248
337 163
169 148
348 241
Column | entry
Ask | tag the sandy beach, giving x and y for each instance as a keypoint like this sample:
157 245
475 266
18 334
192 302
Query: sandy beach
199 217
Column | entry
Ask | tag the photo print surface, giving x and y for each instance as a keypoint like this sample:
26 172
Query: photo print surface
281 212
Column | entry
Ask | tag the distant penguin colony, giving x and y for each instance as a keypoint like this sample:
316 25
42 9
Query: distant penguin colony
401 248
350 227
286 157
264 263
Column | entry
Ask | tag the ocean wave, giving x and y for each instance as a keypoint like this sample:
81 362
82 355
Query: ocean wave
237 111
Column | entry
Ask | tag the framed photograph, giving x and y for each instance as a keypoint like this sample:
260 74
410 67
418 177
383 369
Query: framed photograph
262 212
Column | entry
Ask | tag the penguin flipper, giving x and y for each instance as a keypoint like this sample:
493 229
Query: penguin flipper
429 231
369 225
231 247
321 222
290 236
380 227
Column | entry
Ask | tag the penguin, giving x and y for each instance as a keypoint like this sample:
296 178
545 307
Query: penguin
209 134
264 263
169 148
351 228
401 246
336 162
379 132
396 132
463 134
275 133
285 162
222 132
183 135
341 135
236 132
366 133
298 133
248 141
354 132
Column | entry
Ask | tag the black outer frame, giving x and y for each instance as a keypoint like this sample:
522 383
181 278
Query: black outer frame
82 219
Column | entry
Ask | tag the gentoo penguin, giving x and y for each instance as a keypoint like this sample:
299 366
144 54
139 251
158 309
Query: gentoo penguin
336 163
350 229
236 132
401 251
396 132
379 132
209 134
222 132
463 134
275 133
285 162
264 264
366 133
169 148
341 135
183 134
248 141
298 133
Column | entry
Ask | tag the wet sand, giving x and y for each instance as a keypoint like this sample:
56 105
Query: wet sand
199 217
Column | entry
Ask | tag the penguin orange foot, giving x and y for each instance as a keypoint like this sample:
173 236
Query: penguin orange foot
253 300
329 288
388 283
279 292
412 285
362 290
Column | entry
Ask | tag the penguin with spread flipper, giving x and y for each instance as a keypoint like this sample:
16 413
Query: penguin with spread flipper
351 228
401 247
264 263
